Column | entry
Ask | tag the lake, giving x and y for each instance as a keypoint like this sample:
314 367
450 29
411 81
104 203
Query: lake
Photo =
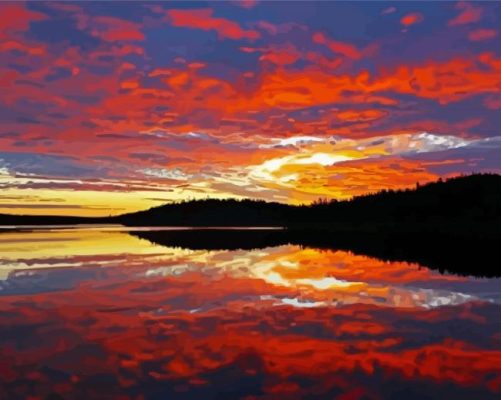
104 313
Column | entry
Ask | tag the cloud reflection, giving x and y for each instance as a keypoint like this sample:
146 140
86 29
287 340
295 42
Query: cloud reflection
125 317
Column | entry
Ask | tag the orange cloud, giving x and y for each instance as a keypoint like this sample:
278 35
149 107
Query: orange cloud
482 34
360 115
468 14
319 175
411 19
345 49
282 56
444 81
349 167
189 91
202 19
240 107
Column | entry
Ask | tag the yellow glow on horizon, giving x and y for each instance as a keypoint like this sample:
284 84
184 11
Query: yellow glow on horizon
303 171
91 203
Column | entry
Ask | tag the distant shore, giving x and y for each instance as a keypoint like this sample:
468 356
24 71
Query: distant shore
453 225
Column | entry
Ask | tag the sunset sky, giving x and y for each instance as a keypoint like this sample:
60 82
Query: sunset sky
113 107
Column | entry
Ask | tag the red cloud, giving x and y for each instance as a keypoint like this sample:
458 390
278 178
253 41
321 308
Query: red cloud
202 19
114 29
412 19
468 14
345 49
482 34
36 50
15 17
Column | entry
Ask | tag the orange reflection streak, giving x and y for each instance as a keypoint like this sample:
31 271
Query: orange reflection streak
198 322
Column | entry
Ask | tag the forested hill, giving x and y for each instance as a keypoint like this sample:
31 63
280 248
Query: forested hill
213 212
467 204
463 204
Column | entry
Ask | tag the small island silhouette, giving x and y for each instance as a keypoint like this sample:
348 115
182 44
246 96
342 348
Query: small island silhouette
452 225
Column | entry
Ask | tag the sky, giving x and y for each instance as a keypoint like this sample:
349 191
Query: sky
110 107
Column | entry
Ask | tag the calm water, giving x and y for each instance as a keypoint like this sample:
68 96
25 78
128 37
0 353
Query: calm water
98 313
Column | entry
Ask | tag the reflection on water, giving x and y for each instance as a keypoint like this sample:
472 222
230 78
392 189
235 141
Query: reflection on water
99 313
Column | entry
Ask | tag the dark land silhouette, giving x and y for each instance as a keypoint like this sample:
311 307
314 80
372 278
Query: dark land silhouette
452 225
468 205
458 255
462 205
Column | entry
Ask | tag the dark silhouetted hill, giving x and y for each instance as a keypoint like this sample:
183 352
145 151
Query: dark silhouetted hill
212 212
466 205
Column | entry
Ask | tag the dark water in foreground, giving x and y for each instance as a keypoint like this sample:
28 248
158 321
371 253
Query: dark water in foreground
98 313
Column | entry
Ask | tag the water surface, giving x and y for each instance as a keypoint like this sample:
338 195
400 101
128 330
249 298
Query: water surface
99 312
